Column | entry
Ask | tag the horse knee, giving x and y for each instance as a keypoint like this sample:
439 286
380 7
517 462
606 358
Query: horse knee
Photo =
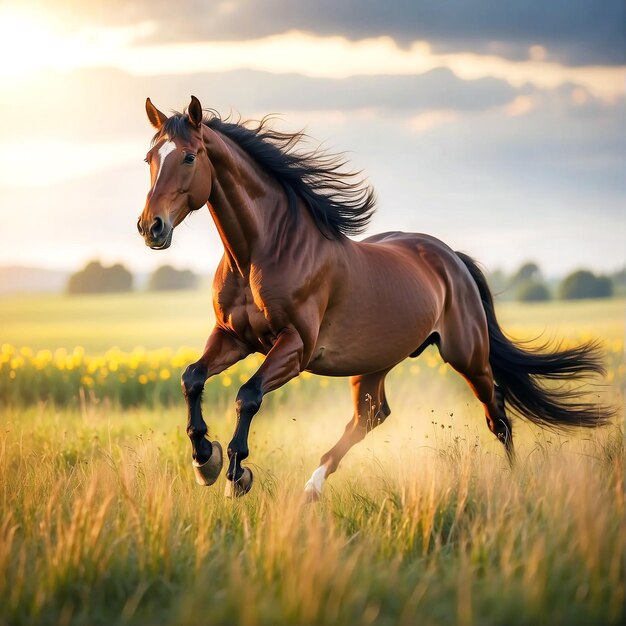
249 398
197 432
193 379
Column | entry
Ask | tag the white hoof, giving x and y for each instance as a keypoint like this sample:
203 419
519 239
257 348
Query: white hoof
313 487
311 494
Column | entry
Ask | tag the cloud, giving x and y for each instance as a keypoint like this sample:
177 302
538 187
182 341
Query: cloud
429 120
446 156
573 32
100 105
90 120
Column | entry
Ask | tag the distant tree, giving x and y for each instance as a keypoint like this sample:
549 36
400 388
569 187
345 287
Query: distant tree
528 271
167 278
498 281
619 282
95 278
584 284
532 291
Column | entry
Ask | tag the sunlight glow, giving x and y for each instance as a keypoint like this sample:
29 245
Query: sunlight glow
64 161
338 57
35 40
27 40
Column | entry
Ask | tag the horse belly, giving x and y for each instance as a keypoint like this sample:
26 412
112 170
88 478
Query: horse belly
374 335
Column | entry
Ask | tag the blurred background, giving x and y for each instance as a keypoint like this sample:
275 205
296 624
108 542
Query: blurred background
497 127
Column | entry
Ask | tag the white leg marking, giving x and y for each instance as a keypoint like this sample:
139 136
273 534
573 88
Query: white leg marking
316 482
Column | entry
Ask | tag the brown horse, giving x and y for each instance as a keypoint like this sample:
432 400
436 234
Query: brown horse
293 286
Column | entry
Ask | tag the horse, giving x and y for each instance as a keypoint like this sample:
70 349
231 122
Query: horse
294 286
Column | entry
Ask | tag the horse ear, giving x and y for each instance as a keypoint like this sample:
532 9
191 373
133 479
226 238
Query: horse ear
157 119
195 112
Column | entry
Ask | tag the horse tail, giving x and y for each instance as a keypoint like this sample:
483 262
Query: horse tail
520 372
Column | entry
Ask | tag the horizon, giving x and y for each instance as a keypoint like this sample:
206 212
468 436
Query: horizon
550 279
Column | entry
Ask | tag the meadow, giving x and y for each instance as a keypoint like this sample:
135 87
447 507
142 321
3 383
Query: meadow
101 521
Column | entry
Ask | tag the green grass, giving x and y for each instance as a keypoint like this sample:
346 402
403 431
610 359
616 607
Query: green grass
599 319
149 319
101 521
174 319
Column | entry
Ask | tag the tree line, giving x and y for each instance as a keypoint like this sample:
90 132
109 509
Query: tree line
528 284
97 278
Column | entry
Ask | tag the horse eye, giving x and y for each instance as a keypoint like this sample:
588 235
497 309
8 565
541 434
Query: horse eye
189 158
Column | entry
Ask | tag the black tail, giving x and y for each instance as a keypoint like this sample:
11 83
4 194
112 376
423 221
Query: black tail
518 372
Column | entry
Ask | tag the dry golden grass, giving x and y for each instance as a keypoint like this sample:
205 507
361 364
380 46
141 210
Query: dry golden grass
101 522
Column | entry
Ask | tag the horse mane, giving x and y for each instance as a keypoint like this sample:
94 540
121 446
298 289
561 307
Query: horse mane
339 201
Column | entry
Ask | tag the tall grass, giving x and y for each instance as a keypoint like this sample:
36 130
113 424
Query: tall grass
101 522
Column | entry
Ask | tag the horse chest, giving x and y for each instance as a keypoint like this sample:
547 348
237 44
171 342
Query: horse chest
243 316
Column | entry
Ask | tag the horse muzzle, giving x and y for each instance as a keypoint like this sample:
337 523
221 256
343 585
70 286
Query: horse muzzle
158 235
162 243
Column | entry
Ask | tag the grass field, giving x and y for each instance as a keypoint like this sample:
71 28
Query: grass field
175 319
98 322
101 521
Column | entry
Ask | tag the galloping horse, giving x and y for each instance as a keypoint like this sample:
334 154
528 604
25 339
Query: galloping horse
292 286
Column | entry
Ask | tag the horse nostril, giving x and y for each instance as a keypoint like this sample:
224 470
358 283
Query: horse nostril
139 228
156 230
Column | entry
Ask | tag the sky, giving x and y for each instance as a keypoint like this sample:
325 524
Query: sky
499 127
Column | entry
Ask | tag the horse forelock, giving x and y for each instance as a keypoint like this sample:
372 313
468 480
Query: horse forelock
175 126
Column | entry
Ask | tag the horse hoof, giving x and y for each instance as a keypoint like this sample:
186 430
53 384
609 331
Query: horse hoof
311 496
238 488
208 472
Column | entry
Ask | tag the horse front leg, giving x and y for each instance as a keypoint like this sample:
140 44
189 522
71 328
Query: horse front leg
282 364
221 351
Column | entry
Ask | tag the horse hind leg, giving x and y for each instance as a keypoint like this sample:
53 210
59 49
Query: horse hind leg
370 409
480 379
492 398
497 420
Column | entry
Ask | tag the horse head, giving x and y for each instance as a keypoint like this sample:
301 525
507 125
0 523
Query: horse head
180 173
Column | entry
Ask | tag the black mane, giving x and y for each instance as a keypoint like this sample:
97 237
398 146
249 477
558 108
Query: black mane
340 203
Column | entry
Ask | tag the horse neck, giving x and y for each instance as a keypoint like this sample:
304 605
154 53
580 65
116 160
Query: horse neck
246 203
